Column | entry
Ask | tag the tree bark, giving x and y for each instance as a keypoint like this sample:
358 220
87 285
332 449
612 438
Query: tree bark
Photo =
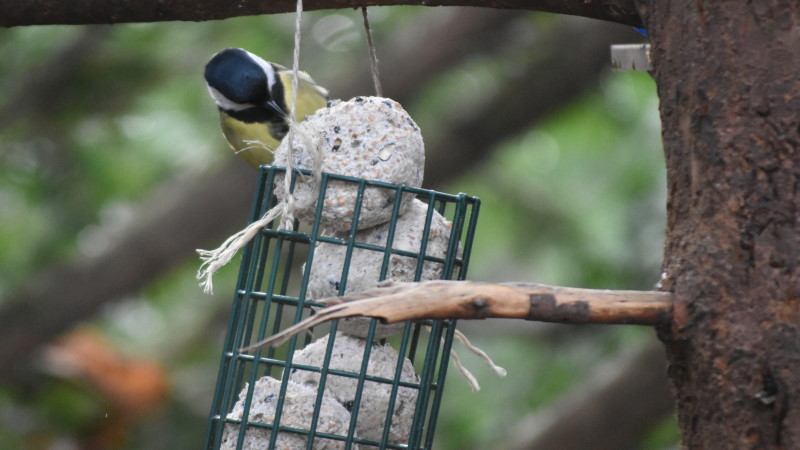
727 76
48 12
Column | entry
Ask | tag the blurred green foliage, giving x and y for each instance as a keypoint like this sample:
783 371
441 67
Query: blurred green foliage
577 199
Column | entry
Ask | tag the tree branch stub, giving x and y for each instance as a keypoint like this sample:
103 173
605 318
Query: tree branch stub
397 302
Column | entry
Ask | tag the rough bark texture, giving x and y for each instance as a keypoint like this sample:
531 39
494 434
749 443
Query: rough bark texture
727 76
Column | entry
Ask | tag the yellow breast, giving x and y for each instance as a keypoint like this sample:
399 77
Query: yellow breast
250 141
253 142
310 96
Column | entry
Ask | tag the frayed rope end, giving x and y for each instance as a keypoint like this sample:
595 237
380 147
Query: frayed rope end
499 371
214 260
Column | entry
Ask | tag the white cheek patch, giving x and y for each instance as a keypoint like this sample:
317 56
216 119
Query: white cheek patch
224 103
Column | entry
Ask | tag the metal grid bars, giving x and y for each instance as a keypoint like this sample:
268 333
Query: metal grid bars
353 395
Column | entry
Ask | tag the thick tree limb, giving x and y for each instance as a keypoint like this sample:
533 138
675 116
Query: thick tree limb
397 302
48 12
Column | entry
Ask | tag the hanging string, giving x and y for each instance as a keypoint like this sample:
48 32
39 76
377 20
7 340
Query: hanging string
462 369
373 55
465 373
215 259
298 23
287 218
499 371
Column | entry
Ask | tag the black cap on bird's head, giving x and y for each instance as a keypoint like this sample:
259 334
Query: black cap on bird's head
239 80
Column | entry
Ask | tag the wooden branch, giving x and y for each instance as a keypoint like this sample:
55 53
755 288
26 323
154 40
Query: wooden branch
48 12
397 302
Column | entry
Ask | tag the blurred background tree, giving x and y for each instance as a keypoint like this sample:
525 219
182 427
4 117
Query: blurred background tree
113 170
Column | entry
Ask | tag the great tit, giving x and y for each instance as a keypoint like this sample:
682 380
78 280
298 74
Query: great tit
254 98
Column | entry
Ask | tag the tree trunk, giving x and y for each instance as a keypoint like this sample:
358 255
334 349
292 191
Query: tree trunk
727 76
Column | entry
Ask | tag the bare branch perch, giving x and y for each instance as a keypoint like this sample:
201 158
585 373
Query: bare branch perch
397 302
48 12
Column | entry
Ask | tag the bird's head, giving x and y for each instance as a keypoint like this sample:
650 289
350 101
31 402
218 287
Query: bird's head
239 81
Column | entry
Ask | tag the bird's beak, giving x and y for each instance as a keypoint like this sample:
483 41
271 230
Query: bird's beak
274 106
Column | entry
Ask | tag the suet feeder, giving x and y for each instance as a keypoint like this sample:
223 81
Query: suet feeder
340 385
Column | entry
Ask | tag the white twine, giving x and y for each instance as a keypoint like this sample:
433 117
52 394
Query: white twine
288 205
468 376
215 259
501 372
373 55
465 373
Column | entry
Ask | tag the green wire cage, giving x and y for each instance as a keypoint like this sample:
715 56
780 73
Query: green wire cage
326 388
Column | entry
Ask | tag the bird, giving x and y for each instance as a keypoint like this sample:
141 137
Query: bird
254 99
